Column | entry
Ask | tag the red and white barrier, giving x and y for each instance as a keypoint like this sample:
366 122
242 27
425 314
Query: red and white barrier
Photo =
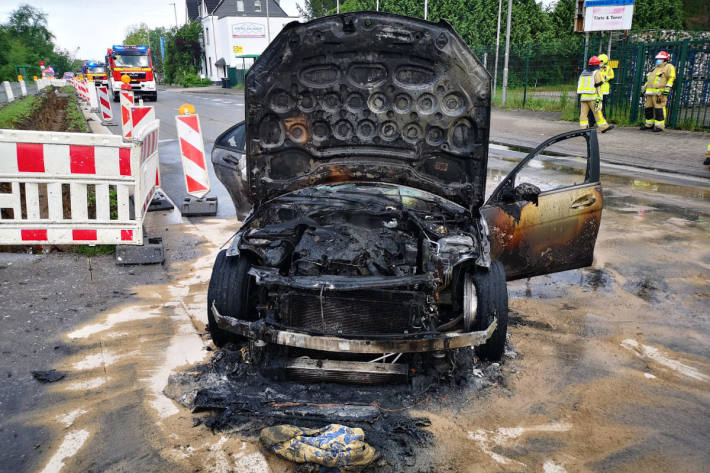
126 122
192 149
23 88
100 174
104 104
92 97
141 116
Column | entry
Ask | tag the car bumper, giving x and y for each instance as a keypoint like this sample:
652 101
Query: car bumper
399 343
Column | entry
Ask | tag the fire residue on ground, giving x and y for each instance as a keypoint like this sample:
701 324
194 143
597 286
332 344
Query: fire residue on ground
230 394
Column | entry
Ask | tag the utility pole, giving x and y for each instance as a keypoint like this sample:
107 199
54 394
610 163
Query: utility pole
507 53
495 70
377 5
426 9
268 23
337 6
175 11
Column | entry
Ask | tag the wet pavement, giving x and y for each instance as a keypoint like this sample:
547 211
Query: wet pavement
610 368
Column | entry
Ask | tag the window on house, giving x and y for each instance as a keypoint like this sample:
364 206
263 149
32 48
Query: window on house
257 6
240 5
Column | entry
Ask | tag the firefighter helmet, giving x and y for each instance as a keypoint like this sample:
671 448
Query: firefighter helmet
594 61
603 59
663 55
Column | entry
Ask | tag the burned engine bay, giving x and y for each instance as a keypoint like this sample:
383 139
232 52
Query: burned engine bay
353 259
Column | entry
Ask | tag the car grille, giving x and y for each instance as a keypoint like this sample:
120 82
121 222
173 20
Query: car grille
353 313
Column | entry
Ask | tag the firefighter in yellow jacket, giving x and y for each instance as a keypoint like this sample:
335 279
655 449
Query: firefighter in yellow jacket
658 86
590 96
608 76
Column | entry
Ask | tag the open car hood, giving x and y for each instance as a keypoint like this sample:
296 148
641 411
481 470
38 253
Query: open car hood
370 97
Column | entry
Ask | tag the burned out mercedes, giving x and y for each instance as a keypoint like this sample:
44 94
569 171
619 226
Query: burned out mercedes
360 176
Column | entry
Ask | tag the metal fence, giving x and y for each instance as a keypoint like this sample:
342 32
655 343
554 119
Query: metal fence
550 70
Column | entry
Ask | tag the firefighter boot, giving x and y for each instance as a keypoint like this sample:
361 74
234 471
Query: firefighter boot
648 115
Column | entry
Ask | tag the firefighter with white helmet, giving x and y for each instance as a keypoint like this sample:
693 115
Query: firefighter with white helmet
590 96
657 87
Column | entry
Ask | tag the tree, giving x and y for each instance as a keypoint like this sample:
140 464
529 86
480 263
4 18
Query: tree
183 53
26 40
141 34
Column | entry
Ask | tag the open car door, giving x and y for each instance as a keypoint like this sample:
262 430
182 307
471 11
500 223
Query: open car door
544 217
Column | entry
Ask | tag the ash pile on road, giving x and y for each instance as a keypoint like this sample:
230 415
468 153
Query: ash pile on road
237 396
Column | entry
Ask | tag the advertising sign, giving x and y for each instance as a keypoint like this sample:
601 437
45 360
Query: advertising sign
606 15
248 30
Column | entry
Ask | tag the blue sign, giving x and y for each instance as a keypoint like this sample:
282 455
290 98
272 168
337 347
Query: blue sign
162 47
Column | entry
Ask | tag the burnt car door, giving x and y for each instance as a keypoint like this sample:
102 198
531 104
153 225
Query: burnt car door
229 160
544 216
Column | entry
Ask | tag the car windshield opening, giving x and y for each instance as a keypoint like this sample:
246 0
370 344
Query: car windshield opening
131 61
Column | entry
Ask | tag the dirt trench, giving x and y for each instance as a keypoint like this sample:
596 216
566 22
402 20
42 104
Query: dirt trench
52 114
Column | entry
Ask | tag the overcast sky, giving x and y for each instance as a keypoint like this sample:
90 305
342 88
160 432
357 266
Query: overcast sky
94 25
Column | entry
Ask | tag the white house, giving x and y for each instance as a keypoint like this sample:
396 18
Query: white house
233 28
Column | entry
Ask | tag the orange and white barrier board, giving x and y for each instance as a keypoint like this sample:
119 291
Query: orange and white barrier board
105 111
192 150
100 173
126 104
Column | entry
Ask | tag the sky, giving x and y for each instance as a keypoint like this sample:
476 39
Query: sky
95 25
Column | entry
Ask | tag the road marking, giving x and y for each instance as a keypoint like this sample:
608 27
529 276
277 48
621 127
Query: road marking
69 418
652 353
71 444
128 314
167 140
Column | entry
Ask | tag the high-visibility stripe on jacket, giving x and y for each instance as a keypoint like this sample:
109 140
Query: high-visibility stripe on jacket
659 79
607 75
588 85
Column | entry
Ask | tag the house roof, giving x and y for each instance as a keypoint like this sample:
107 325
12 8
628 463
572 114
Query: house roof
193 10
229 8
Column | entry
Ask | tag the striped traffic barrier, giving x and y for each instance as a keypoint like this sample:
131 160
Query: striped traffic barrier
105 111
92 97
107 182
126 104
141 116
192 150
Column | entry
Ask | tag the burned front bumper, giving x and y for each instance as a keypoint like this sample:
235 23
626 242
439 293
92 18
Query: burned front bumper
374 344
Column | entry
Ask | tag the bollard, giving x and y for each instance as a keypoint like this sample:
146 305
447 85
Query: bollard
194 164
8 91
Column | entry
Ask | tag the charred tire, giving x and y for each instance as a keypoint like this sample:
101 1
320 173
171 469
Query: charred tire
229 290
492 294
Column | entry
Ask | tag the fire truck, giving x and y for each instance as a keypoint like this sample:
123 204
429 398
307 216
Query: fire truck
96 72
136 63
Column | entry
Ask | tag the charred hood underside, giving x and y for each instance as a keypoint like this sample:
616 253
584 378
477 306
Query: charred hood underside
368 97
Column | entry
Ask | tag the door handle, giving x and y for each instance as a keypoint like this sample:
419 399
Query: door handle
584 201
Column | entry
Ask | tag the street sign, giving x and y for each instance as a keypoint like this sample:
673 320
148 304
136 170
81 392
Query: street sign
607 15
238 49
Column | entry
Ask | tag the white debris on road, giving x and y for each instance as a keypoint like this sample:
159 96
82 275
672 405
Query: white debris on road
654 354
551 467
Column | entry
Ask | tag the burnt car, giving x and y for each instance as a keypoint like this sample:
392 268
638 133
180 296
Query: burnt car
360 176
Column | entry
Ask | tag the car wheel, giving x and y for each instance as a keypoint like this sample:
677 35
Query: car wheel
229 290
492 295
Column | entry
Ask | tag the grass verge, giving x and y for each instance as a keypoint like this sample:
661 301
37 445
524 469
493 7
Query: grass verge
18 111
87 250
74 118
